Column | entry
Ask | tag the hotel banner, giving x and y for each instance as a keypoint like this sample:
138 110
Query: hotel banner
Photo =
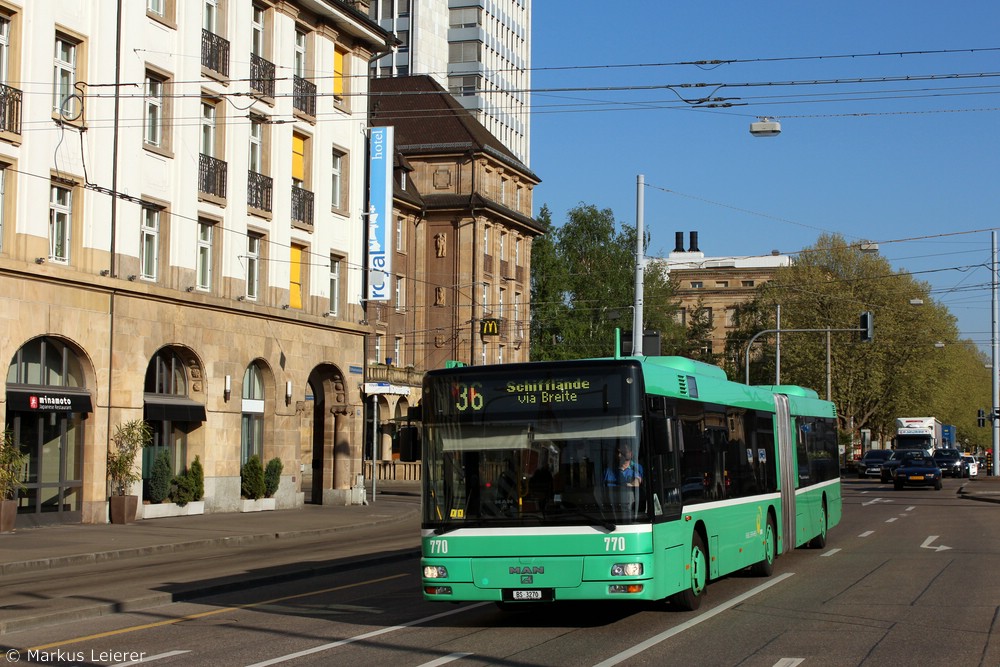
380 152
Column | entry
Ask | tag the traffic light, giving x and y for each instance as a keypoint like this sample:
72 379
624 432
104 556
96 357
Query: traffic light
867 327
981 418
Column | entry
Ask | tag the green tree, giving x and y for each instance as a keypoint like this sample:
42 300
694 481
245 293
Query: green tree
829 285
583 287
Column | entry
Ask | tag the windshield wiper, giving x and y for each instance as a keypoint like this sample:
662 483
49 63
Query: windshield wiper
600 521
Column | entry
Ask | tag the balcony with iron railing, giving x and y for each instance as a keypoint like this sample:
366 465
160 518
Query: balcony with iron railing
212 174
304 95
260 190
261 75
10 109
214 52
302 206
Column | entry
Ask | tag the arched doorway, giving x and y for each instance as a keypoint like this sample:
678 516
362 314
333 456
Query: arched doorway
47 409
330 458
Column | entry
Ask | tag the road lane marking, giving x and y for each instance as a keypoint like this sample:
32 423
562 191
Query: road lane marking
150 658
867 533
653 641
445 660
830 552
891 519
927 544
367 635
910 508
212 612
789 662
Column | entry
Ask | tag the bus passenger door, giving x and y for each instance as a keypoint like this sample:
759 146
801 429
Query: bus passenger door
786 470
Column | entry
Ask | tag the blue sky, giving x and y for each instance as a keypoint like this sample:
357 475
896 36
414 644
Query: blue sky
905 164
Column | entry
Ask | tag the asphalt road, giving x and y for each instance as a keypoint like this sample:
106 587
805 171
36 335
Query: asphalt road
905 579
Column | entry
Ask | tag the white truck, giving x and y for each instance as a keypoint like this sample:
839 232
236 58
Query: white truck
918 433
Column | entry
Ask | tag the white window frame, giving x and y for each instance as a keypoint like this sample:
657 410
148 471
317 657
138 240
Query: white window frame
153 119
253 266
334 286
210 16
256 150
64 70
203 266
397 353
209 127
400 240
300 52
336 178
400 293
4 48
149 243
257 27
60 223
158 7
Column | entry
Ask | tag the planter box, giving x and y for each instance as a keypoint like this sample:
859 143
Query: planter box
161 510
259 505
123 508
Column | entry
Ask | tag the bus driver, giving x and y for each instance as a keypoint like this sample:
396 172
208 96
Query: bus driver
627 472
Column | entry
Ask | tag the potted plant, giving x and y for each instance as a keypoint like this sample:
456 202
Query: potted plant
12 464
128 440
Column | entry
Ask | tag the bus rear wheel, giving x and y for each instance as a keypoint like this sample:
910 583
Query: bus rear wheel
819 541
690 598
765 567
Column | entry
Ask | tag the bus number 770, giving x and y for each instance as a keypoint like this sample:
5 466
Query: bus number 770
614 544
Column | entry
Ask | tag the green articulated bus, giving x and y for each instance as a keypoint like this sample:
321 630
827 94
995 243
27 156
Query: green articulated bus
632 478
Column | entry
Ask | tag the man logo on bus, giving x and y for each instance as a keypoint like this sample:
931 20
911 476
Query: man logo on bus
527 569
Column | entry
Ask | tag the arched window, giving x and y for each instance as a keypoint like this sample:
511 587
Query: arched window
168 410
252 429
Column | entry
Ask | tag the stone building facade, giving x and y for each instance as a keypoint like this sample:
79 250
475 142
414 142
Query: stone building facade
181 241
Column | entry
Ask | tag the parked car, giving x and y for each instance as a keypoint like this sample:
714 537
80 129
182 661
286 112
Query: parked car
870 464
950 462
916 470
971 465
891 463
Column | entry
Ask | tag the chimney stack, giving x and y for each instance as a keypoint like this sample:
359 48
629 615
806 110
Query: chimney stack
678 241
694 242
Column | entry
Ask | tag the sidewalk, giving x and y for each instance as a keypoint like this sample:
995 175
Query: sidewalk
48 547
982 488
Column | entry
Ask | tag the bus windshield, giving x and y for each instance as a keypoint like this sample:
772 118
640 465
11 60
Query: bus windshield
558 448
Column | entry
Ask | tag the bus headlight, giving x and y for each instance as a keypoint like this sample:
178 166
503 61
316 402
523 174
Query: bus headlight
435 572
626 570
625 588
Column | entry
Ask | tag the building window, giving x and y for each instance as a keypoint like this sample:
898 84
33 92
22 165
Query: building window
4 49
302 197
156 7
397 351
502 247
149 243
3 200
154 134
400 239
487 242
696 284
252 407
299 53
747 283
203 270
517 251
464 86
464 18
336 179
253 266
163 11
464 52
400 293
334 286
65 102
256 145
487 306
339 73
722 283
730 317
257 22
503 191
211 16
296 277
60 223
379 344
208 128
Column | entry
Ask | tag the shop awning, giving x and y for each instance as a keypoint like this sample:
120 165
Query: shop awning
158 407
49 399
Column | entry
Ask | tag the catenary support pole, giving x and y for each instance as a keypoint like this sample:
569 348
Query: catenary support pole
639 251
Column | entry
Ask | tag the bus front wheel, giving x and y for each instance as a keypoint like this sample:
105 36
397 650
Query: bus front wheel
690 598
